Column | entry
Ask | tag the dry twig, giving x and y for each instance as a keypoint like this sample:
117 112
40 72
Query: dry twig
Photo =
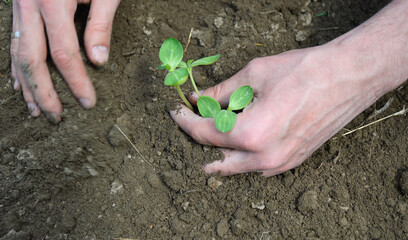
189 40
402 112
120 130
8 99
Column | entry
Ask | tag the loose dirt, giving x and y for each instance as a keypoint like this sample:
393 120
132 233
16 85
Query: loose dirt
83 180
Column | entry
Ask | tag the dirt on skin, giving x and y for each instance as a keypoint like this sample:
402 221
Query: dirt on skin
83 180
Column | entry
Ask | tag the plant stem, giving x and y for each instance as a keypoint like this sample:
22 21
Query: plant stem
190 72
184 98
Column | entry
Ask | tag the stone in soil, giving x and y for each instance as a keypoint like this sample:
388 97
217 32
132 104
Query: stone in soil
307 202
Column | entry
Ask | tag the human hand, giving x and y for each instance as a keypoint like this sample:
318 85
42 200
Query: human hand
35 21
302 98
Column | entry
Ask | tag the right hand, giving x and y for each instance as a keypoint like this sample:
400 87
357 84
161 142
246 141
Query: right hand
302 98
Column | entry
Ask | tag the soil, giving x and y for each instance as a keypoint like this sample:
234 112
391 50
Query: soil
83 180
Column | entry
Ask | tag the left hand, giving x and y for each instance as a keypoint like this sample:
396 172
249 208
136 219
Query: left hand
35 21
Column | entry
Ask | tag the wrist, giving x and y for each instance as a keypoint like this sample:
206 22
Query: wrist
375 54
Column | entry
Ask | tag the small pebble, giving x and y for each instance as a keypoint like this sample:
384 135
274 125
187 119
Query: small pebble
259 205
307 202
184 205
213 182
117 187
302 35
218 22
343 222
288 179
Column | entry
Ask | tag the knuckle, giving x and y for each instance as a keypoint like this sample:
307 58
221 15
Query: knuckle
48 100
13 50
100 26
77 85
45 2
48 7
26 60
254 67
196 135
252 141
62 57
217 91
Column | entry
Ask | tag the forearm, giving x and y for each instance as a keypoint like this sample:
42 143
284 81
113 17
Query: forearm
377 50
351 72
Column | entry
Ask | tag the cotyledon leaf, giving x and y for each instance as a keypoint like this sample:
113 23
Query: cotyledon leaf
171 53
225 120
208 106
240 98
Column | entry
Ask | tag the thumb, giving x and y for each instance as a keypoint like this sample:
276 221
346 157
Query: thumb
222 91
98 30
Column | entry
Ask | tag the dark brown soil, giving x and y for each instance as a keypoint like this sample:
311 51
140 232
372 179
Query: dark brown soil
83 180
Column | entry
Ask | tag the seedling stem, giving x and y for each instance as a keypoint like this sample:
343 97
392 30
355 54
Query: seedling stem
184 98
171 56
190 73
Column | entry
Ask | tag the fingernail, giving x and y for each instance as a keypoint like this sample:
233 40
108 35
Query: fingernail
15 85
52 117
194 95
86 103
33 109
100 54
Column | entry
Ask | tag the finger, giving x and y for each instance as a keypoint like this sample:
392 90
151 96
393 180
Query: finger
14 45
15 68
203 130
31 70
16 84
279 170
32 106
64 49
98 30
293 163
238 161
234 162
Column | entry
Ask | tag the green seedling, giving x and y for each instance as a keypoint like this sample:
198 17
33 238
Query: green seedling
171 56
225 119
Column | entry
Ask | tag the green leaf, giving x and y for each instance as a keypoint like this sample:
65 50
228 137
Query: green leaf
240 98
171 53
208 106
225 120
163 66
182 64
189 63
176 78
206 60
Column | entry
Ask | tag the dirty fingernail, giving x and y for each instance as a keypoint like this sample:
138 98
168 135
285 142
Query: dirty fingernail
33 109
53 117
194 95
86 103
100 54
